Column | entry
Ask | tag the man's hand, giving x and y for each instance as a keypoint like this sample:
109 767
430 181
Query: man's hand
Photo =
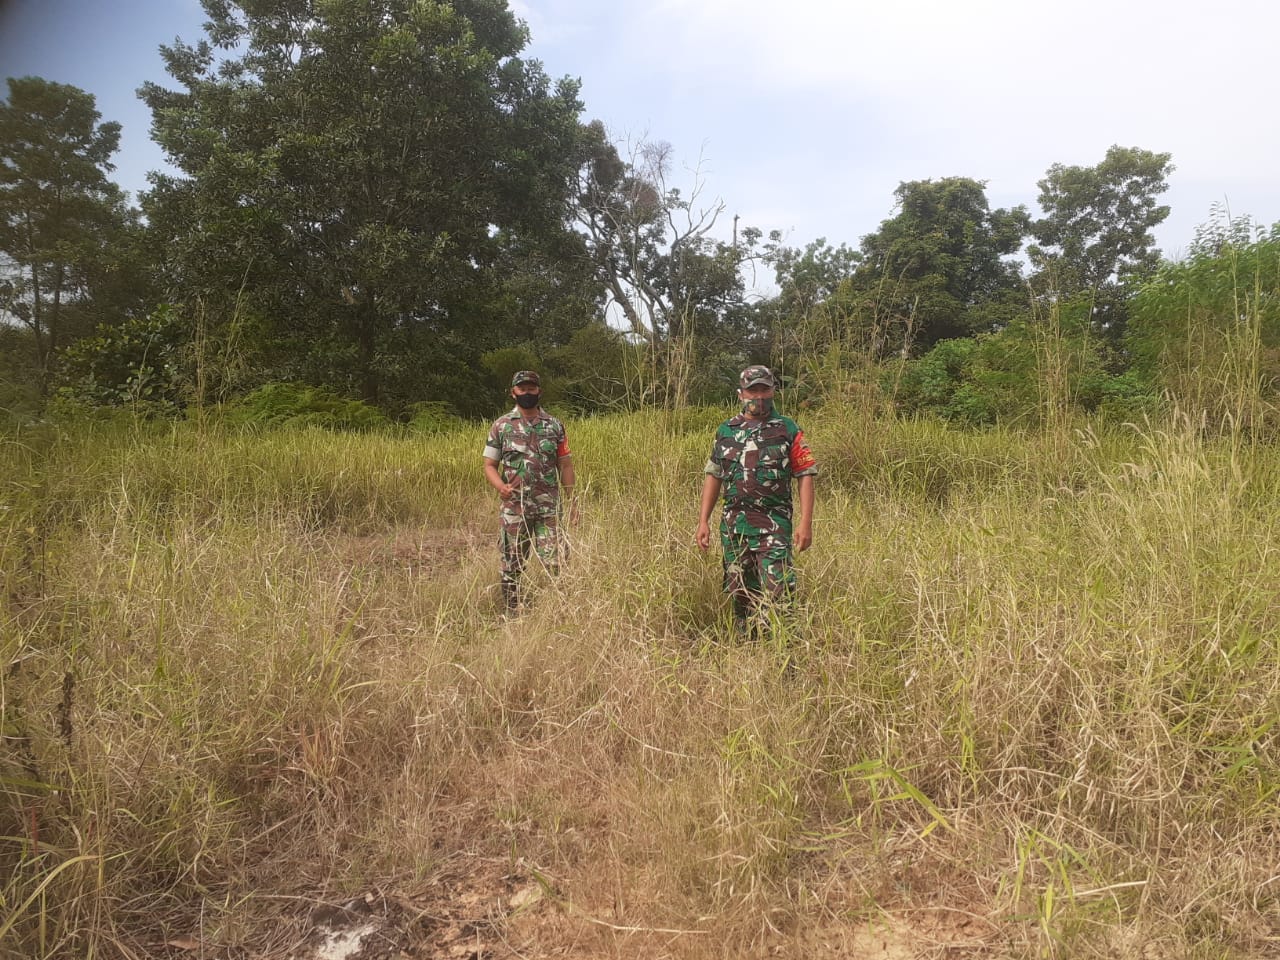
505 490
803 538
804 529
710 493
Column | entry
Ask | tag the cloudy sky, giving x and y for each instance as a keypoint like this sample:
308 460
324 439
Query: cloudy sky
807 114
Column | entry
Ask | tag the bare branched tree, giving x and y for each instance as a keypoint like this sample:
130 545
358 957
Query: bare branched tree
653 249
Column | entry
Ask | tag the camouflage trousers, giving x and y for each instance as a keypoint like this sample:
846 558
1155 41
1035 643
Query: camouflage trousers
757 561
518 536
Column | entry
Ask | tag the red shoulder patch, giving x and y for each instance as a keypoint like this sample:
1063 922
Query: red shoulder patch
801 456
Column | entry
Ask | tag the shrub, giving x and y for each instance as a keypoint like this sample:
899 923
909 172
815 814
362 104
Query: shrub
138 363
1207 329
974 381
299 405
433 416
1130 397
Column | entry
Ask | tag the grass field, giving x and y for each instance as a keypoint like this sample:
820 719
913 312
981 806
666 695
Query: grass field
1025 708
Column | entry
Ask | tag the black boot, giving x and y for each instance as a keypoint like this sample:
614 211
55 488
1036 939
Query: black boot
511 597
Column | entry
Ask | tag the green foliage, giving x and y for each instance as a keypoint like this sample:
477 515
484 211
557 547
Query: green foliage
808 277
1130 397
503 364
598 369
931 382
292 404
681 291
1207 329
1096 234
1022 374
350 172
68 242
434 416
540 292
140 363
975 381
940 268
1098 220
811 331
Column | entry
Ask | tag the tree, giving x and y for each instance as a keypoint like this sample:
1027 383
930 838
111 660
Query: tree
795 329
940 267
350 170
64 226
1096 235
808 277
679 288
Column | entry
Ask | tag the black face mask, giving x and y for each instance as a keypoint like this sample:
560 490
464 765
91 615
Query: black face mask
758 407
528 401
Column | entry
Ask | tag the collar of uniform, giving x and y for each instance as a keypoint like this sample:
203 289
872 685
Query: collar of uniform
516 415
742 420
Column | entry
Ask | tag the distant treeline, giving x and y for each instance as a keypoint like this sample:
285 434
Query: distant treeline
384 202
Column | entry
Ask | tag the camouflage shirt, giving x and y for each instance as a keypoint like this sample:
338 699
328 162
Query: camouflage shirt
755 461
527 453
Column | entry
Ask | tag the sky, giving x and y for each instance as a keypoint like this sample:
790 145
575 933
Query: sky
805 116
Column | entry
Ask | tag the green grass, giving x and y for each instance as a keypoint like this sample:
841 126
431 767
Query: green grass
1035 676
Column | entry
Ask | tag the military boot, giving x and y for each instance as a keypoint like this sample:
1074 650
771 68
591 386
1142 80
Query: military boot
511 598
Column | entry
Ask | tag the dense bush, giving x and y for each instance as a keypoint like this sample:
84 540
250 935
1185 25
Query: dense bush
976 381
1207 329
1051 363
300 405
139 363
433 416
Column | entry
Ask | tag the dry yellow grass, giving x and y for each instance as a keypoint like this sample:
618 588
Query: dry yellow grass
1031 710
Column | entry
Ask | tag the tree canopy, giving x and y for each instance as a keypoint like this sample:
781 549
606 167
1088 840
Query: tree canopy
63 223
349 171
388 199
942 266
652 246
1095 237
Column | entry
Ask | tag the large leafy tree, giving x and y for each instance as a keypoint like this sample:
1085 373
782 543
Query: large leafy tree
65 228
941 267
349 173
809 277
1095 238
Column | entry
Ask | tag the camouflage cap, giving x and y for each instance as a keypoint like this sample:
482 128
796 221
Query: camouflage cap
525 376
754 376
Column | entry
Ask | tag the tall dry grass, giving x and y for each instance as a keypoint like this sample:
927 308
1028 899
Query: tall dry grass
1030 681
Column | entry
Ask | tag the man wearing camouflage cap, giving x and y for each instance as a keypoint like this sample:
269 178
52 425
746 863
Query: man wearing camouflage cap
754 458
527 460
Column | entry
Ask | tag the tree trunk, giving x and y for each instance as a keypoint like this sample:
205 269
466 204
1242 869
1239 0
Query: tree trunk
38 334
368 329
59 274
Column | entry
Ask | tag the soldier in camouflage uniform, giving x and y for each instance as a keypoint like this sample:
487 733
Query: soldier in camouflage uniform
527 460
754 458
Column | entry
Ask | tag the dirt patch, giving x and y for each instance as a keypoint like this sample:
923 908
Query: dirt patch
459 915
944 932
489 911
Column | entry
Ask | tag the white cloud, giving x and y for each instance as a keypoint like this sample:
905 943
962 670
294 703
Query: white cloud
994 89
